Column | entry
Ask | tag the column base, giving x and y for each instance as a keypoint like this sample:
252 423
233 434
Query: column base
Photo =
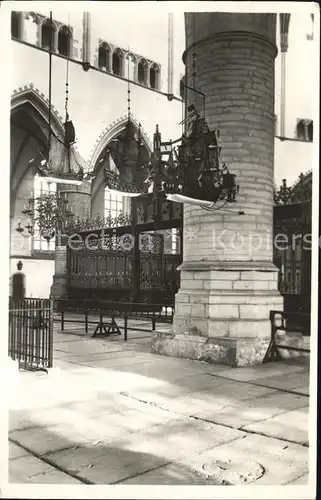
222 313
234 352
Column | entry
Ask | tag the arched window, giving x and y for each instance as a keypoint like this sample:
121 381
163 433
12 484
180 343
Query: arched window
304 130
300 130
117 62
142 66
103 57
47 34
42 187
15 25
154 76
64 41
31 28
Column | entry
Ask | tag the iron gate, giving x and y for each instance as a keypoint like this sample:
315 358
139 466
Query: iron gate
31 333
293 257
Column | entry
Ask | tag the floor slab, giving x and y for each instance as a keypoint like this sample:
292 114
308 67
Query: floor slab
280 461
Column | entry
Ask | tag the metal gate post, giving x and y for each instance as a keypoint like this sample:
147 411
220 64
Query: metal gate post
50 334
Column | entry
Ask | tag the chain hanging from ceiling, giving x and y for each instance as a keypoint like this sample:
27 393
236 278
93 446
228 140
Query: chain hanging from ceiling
65 168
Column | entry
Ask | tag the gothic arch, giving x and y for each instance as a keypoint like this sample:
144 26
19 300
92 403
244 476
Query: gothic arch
29 137
33 96
110 132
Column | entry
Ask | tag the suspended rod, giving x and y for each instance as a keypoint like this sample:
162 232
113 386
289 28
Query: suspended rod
50 84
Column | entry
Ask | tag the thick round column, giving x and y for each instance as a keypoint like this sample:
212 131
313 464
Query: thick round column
235 70
78 197
228 280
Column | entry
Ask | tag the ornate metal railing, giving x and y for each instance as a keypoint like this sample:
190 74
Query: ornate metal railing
31 333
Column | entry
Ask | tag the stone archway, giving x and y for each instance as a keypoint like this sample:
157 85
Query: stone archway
29 140
115 130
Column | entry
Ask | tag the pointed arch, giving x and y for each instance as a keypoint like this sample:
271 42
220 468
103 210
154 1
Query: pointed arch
48 30
29 136
104 52
64 41
117 61
110 132
142 71
154 76
32 96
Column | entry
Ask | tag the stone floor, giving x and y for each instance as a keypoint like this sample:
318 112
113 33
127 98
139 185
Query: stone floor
113 413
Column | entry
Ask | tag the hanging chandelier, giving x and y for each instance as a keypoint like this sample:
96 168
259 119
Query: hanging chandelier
48 214
124 164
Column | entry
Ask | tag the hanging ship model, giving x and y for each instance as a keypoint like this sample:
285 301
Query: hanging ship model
188 170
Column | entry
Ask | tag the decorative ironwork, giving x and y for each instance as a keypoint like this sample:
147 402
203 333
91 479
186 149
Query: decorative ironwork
31 333
300 192
100 269
292 253
79 224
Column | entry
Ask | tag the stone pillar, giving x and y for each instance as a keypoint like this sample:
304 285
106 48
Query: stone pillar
21 20
55 40
79 201
147 75
284 34
86 52
228 280
110 61
135 76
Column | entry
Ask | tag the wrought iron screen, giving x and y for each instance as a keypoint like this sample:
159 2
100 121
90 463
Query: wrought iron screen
101 263
31 333
292 253
151 251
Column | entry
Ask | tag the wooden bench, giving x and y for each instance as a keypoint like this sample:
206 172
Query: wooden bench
125 310
286 322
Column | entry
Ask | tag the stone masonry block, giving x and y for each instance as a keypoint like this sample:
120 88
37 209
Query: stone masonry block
181 298
240 298
273 285
258 311
219 311
251 285
217 285
250 329
192 284
198 310
217 275
259 276
183 309
218 328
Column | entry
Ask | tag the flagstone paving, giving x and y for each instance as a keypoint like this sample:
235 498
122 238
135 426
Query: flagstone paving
113 413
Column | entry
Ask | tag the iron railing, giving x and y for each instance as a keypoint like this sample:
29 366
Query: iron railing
31 333
287 322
